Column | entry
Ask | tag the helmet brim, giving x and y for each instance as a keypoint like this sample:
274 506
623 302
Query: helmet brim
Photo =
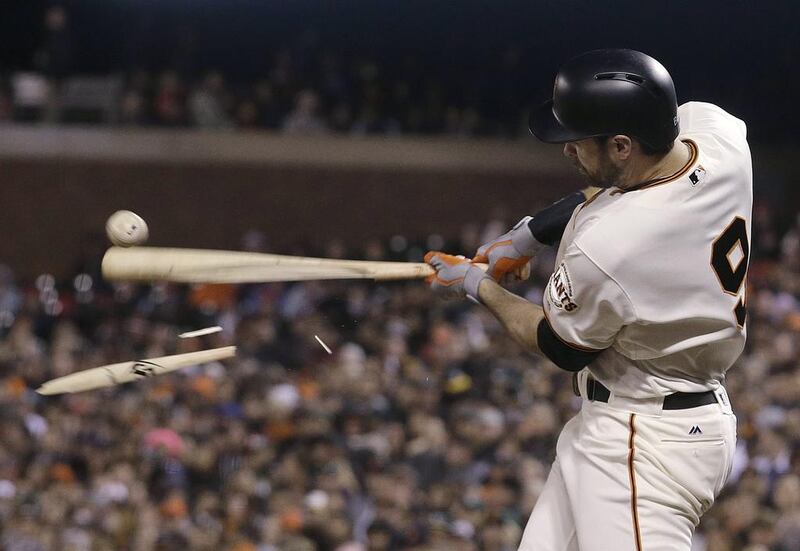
544 124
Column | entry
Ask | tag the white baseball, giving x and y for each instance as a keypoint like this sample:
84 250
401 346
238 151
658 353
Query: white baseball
125 229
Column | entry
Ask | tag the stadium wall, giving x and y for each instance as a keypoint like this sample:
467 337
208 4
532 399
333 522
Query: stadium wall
201 189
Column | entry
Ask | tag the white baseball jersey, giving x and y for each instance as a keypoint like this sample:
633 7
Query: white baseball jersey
655 276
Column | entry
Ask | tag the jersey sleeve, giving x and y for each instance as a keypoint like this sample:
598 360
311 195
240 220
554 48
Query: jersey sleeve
699 117
584 310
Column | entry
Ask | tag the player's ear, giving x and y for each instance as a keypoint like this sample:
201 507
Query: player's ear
620 147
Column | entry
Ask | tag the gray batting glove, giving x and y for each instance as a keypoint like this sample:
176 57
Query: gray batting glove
455 276
509 253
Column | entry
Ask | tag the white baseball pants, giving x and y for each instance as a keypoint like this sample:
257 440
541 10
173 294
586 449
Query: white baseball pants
628 481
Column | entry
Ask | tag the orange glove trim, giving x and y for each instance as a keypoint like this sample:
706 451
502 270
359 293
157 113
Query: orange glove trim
449 259
498 244
448 282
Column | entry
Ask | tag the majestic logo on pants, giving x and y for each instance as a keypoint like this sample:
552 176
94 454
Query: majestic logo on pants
560 291
695 430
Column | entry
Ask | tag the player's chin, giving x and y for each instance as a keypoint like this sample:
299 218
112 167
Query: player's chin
594 179
602 178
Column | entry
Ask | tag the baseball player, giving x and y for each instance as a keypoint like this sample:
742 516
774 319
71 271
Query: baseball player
646 306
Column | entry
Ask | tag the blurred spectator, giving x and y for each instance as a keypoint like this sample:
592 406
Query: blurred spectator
132 109
208 103
247 115
371 121
31 94
170 109
136 96
305 118
461 123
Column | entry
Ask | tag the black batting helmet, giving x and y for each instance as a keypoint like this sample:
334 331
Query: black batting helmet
607 92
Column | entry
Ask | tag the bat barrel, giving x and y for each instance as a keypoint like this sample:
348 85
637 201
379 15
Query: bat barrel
210 266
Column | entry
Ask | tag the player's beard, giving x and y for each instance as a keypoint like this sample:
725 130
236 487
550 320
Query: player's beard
606 174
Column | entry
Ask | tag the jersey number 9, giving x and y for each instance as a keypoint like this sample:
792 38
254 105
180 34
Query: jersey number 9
731 271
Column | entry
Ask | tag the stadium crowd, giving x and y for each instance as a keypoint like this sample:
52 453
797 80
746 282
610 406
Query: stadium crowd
356 100
354 68
425 429
305 87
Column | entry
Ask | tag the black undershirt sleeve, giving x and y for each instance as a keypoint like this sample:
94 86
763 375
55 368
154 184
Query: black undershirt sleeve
560 353
547 225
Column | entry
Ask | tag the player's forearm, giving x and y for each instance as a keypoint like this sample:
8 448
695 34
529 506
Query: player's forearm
519 317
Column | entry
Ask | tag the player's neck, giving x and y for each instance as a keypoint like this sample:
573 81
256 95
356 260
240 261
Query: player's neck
645 169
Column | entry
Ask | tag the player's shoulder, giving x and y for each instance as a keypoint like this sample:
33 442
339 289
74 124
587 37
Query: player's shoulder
711 126
723 155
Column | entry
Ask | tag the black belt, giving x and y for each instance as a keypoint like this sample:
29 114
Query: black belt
597 392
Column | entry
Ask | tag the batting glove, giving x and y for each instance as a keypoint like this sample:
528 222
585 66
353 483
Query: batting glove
510 253
455 276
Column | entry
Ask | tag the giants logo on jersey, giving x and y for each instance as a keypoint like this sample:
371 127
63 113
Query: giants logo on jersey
559 290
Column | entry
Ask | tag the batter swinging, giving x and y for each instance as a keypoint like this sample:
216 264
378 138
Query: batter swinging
646 305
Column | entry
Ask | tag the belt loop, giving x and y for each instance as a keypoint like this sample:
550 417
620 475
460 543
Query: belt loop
722 399
591 387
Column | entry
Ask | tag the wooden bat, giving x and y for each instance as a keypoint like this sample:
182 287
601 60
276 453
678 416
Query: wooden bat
125 372
210 266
